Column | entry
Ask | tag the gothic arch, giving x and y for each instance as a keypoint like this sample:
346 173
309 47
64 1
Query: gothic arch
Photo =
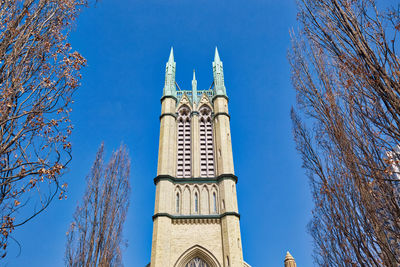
196 200
186 201
214 206
197 251
204 101
205 201
177 200
184 101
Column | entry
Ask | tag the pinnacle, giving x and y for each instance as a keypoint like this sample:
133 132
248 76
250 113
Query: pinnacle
216 57
171 55
194 75
289 256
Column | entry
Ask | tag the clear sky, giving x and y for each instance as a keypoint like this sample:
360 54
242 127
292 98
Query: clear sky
127 44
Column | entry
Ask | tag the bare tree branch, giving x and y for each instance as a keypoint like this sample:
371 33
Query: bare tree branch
38 76
346 73
95 236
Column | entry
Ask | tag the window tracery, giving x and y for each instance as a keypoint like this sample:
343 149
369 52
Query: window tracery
197 262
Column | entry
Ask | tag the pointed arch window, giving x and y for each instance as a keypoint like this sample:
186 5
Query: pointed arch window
206 143
196 203
184 143
177 203
215 202
197 262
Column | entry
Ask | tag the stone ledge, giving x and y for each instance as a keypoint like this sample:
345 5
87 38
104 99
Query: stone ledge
167 114
196 217
193 180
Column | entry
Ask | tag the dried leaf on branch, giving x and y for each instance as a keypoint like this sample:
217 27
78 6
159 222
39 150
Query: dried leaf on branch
39 73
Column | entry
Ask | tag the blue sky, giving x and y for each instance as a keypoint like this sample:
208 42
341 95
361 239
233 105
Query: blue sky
127 44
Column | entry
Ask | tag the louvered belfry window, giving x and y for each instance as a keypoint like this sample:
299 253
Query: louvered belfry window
206 143
184 144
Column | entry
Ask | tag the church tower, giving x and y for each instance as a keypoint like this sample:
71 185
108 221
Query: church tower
196 217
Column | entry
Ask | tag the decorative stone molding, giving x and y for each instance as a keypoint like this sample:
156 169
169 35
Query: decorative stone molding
168 114
199 180
193 217
221 113
197 251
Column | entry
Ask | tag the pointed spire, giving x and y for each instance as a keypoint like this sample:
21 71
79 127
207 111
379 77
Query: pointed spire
289 256
171 55
218 73
289 260
169 86
194 88
216 57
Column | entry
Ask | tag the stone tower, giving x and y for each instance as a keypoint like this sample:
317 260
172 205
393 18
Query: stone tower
196 218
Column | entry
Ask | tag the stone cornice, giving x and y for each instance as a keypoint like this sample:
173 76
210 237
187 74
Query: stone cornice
196 217
221 113
198 180
224 96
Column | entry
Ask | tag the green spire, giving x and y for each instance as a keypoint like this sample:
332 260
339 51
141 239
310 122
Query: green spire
171 55
218 73
216 57
169 86
194 88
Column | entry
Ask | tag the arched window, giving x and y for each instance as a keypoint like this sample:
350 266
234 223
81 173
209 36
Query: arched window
196 203
184 143
206 143
215 202
177 202
197 262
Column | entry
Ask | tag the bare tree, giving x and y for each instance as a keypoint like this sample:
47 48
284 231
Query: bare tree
346 72
38 75
95 236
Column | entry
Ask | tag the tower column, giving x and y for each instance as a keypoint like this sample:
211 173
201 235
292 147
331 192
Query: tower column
167 158
195 144
166 166
195 131
232 244
230 225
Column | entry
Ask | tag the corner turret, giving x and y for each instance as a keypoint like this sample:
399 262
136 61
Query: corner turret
218 73
169 86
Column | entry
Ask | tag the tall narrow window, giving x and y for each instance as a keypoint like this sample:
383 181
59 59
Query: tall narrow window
184 143
215 202
196 203
177 202
206 143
